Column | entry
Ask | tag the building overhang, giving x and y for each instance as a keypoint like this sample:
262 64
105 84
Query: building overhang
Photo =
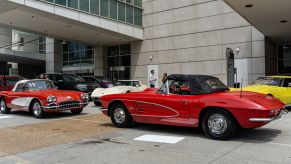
268 16
65 23
20 57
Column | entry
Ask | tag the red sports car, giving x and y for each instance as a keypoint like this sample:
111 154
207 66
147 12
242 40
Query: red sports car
207 103
39 97
7 83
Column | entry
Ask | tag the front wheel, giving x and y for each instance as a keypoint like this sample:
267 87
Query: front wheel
77 111
37 110
218 124
3 107
120 116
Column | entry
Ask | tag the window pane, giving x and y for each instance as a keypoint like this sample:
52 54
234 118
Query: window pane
138 3
137 17
113 9
60 2
125 60
125 49
104 8
129 1
121 11
73 4
84 5
94 6
113 51
129 14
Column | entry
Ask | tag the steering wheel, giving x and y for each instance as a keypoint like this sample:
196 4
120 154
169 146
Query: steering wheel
176 89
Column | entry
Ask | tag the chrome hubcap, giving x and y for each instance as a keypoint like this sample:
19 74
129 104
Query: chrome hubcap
119 115
2 106
217 124
36 109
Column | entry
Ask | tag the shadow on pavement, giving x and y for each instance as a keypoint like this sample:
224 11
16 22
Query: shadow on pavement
49 116
260 135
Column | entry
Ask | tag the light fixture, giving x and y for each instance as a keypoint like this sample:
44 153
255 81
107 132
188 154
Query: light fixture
283 21
249 5
151 57
63 42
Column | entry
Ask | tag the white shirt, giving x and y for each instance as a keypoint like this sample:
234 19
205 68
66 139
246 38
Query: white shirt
152 80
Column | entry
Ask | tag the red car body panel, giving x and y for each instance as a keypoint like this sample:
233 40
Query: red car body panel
185 110
9 86
20 100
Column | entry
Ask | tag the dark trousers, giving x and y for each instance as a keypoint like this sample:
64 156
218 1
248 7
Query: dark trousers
152 86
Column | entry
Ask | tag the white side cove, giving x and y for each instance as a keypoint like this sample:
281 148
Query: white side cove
242 76
23 101
160 138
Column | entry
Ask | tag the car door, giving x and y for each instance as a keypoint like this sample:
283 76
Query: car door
165 107
286 91
16 99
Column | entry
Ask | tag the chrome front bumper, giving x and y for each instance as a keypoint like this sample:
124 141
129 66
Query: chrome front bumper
283 112
57 107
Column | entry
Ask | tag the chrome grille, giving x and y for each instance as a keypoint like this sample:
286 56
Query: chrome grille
69 104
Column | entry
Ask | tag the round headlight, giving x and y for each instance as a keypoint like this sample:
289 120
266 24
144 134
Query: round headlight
84 96
51 99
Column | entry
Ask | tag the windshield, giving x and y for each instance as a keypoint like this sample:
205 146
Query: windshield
38 85
271 81
127 83
216 85
73 78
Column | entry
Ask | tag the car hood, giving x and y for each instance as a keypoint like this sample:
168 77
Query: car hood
113 90
62 95
254 88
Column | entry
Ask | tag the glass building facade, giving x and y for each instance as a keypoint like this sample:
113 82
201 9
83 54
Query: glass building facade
119 62
77 54
126 11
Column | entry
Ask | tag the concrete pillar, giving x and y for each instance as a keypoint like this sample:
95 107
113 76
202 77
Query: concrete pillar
53 56
98 61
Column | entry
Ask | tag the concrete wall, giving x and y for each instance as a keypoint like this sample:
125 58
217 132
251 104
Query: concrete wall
191 37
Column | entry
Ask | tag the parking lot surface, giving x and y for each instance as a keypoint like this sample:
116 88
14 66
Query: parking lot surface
91 138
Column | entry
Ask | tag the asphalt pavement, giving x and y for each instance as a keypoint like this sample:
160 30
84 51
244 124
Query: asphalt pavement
91 138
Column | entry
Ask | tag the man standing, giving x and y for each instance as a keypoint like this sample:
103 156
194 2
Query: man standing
152 80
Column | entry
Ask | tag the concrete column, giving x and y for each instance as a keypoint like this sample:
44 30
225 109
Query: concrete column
53 56
98 61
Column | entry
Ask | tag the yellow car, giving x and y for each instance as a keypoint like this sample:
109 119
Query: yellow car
277 86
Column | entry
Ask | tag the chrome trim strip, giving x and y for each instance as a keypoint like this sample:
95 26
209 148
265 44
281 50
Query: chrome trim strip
58 106
283 112
177 113
103 110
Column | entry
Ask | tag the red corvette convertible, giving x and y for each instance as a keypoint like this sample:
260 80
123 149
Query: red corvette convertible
39 97
193 101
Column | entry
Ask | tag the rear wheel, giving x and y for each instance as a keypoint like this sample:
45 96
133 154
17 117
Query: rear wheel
77 111
3 107
120 116
37 110
218 124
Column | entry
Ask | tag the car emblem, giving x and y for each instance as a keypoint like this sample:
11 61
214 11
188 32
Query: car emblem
69 97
